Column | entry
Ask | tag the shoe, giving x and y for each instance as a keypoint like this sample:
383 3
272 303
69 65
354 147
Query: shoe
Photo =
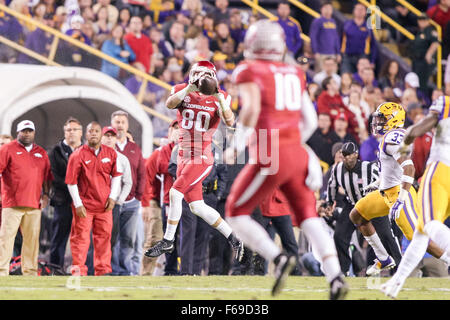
284 264
392 287
379 266
238 248
338 288
163 246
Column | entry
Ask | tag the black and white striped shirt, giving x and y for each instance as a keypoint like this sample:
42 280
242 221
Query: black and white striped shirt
353 182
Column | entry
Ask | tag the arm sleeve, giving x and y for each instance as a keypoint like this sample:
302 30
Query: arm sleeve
332 186
309 117
142 177
73 190
115 187
313 34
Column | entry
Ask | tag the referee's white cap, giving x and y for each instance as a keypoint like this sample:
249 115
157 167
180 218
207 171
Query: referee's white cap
25 124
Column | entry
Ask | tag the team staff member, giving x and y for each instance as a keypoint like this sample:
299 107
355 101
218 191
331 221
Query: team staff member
4 139
26 177
130 209
61 200
94 194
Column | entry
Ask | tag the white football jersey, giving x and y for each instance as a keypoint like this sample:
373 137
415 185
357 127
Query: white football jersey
390 171
440 147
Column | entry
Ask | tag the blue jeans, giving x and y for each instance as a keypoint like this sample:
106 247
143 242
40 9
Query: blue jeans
138 255
128 225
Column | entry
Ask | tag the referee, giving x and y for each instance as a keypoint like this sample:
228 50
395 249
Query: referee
356 178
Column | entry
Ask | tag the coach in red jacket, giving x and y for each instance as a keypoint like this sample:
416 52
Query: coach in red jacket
94 194
26 177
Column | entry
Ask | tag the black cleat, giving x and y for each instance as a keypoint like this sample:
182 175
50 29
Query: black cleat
338 288
163 246
284 264
238 247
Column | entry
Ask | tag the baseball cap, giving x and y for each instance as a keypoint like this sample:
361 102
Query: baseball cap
349 148
412 79
25 124
109 129
336 147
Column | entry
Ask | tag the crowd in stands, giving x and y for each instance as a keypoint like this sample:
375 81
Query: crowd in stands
347 77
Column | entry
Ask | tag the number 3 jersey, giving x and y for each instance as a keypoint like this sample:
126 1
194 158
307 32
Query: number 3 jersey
390 171
198 118
281 87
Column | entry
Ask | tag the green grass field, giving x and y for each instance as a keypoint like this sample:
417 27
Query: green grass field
207 288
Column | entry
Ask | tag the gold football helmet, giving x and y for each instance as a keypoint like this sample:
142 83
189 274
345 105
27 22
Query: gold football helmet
388 116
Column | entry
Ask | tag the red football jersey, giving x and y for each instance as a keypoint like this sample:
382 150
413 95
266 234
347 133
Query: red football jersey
198 117
281 88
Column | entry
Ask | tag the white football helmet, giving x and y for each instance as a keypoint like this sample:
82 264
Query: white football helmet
265 39
201 69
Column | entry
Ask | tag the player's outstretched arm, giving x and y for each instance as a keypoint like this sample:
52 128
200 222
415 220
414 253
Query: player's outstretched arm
421 127
225 111
176 98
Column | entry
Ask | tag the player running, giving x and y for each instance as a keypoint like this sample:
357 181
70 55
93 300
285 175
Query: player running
275 102
199 116
395 195
434 194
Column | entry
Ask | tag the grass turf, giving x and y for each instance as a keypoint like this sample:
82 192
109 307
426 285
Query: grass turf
206 288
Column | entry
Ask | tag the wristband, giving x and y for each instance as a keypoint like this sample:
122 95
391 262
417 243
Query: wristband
406 163
407 179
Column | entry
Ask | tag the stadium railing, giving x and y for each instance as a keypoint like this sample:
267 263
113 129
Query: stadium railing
273 17
58 36
417 12
305 8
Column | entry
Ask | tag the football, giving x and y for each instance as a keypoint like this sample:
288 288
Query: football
207 86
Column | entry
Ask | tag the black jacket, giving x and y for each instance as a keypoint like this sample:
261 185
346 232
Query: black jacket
59 157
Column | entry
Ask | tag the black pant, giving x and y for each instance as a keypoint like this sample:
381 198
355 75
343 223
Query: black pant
171 267
343 233
220 251
194 235
61 224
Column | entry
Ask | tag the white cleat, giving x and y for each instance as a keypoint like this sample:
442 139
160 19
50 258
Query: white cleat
379 266
392 287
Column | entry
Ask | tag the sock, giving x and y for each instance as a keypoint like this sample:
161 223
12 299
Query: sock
174 213
439 233
324 245
378 248
254 236
413 254
211 217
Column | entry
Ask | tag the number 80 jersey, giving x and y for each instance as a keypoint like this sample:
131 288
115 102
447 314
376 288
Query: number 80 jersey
198 118
282 87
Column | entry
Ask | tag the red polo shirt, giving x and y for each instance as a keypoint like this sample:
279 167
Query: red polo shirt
162 165
152 184
92 174
23 174
142 47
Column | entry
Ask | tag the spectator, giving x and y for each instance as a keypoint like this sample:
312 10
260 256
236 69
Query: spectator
314 91
147 23
75 31
304 63
139 43
340 127
237 28
363 63
369 148
440 13
24 166
124 18
208 27
60 17
113 12
61 200
329 69
423 49
178 53
88 14
161 47
176 36
346 82
102 26
329 101
221 11
294 42
355 106
368 78
192 7
92 206
412 82
130 210
11 29
390 77
413 110
325 40
357 40
109 138
323 138
133 84
222 37
38 41
118 48
409 97
201 51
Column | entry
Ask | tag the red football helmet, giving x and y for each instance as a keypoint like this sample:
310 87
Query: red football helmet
203 67
265 39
